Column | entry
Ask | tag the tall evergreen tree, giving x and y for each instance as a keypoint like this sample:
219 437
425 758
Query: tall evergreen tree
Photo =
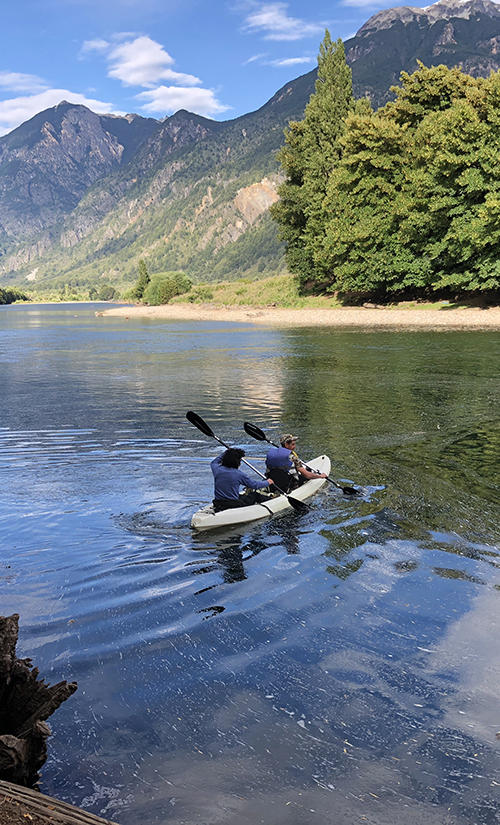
142 281
311 151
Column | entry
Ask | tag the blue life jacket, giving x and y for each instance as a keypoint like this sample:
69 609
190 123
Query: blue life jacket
279 458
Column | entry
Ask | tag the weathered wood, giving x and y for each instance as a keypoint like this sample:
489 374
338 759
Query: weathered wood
51 810
25 703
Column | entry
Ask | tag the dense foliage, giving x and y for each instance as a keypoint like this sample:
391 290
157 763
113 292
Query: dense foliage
413 203
105 293
164 286
11 294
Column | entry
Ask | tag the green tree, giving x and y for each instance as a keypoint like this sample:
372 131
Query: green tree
106 293
164 286
10 294
414 203
312 150
142 281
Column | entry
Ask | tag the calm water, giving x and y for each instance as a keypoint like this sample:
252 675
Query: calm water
340 666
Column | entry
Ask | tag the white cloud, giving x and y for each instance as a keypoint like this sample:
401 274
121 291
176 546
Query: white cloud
272 18
143 62
261 56
280 62
18 82
138 60
17 110
291 61
94 46
168 99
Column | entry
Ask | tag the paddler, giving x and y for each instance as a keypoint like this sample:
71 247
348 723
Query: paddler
228 478
284 467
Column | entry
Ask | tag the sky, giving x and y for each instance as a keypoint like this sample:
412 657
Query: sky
218 58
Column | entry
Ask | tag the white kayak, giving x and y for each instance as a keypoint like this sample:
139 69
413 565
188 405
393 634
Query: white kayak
208 519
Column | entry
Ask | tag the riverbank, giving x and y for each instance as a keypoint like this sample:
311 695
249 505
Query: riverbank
382 317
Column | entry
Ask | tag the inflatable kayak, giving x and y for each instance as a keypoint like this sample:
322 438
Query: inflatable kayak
208 519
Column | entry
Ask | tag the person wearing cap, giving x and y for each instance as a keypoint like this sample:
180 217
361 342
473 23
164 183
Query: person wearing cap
285 468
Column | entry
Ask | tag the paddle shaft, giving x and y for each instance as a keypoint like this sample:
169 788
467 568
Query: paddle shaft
202 425
243 460
260 435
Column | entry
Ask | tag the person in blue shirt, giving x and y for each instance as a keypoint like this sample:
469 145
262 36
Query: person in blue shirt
228 478
285 468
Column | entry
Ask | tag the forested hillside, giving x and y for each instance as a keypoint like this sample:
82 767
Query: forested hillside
184 201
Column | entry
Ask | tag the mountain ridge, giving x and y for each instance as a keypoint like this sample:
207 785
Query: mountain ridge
48 163
442 10
239 141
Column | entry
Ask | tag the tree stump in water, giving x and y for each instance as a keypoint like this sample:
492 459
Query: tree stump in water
25 704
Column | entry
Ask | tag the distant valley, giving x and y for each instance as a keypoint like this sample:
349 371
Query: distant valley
84 196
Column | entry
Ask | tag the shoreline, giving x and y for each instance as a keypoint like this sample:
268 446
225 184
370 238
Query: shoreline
461 318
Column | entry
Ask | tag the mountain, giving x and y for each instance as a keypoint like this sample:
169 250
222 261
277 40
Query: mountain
463 33
184 201
84 196
49 162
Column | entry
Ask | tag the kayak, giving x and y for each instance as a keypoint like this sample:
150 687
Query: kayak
208 519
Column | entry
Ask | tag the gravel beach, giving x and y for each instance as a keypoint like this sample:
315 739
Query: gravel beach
397 318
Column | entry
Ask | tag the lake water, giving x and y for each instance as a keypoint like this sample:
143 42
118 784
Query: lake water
338 666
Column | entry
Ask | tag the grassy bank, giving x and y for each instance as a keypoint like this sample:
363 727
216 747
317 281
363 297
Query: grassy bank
277 291
280 291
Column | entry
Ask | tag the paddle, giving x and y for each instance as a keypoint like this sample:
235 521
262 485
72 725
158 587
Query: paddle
202 425
260 435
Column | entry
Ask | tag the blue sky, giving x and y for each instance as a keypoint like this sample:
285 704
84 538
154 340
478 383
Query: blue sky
220 59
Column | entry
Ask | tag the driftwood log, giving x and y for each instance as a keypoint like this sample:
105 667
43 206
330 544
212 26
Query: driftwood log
22 806
25 703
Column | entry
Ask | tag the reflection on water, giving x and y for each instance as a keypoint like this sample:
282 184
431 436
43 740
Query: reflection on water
339 665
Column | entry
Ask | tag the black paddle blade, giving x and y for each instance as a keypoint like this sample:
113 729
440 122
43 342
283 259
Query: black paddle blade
350 491
301 506
254 431
198 422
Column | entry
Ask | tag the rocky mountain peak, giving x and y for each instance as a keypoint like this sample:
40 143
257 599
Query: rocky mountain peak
443 10
47 163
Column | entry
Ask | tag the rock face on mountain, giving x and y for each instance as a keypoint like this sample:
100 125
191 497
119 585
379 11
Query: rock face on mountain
48 163
84 196
463 33
443 10
176 132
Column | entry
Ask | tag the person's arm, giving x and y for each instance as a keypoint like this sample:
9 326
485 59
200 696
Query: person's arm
308 474
254 485
216 462
302 470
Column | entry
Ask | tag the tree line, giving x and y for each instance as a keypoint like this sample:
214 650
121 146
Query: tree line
9 295
404 200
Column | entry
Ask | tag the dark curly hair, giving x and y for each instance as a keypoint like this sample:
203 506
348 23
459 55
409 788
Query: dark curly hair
232 457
